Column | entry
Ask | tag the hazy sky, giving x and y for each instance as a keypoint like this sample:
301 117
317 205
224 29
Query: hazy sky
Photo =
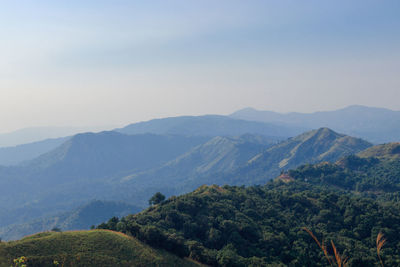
116 62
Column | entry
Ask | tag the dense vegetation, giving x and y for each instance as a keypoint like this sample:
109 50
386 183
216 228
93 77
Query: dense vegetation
260 226
86 248
373 176
349 202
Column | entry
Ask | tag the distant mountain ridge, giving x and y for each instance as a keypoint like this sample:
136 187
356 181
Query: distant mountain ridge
104 153
81 218
15 155
210 125
376 125
36 134
26 144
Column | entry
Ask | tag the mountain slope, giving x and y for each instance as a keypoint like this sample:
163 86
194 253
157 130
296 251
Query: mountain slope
20 153
384 151
80 170
314 146
374 171
81 218
210 125
217 156
263 225
86 248
98 155
36 134
240 161
377 125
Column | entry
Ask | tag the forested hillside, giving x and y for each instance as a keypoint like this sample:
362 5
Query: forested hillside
349 202
263 225
375 171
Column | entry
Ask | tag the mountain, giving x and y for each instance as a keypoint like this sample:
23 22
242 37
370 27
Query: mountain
35 134
243 160
376 125
102 154
15 155
215 157
131 168
374 171
113 166
86 248
314 146
210 125
220 154
264 225
82 169
81 218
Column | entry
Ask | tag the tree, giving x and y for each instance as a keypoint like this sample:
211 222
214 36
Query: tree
156 199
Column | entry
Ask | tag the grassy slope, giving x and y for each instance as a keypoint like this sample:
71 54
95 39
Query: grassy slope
86 248
389 151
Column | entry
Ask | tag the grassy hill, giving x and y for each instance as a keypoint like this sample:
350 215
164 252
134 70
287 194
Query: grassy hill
86 248
384 151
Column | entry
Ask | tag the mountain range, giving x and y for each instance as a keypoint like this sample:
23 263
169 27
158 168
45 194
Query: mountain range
131 168
377 125
15 155
312 176
36 134
210 125
206 126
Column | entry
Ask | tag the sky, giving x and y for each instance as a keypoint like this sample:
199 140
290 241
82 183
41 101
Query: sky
97 62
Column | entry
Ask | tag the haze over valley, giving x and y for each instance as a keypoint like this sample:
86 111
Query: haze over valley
200 133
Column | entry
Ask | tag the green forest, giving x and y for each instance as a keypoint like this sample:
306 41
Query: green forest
348 203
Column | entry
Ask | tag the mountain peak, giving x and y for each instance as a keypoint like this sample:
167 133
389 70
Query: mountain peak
318 145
